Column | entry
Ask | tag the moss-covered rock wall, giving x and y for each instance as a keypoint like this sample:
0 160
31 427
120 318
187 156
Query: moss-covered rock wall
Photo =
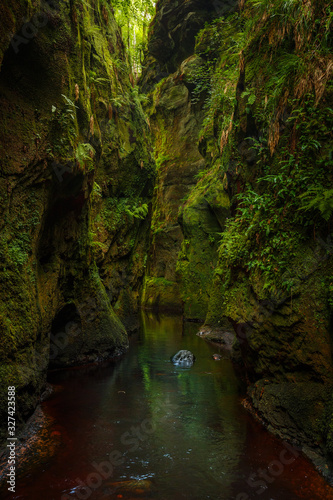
76 177
255 244
185 221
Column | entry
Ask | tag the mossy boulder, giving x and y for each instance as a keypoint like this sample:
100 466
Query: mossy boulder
294 411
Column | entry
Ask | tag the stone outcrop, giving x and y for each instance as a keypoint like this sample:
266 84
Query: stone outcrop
172 34
179 272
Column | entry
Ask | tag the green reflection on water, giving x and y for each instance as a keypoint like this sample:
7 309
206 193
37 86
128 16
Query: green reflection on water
194 411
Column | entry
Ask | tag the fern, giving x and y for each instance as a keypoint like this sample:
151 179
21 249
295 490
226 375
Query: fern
97 190
84 154
139 212
316 198
70 110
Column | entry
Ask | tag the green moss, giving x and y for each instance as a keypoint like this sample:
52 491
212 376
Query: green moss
160 293
55 230
295 409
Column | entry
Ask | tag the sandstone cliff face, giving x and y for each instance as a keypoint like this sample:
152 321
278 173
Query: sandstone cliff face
251 235
173 31
180 272
175 128
76 179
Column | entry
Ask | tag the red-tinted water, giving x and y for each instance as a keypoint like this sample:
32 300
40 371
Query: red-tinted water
143 428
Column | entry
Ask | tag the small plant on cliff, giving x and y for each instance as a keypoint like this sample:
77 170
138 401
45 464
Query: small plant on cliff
70 110
161 160
64 134
318 198
97 191
84 155
140 212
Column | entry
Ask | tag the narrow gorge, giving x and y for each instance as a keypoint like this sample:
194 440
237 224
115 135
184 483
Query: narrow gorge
198 186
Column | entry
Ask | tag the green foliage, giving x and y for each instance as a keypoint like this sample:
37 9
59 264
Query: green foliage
70 111
140 212
93 30
251 98
65 132
65 142
142 99
267 73
260 238
65 118
119 101
286 49
84 155
17 251
219 44
162 159
94 80
134 17
318 198
119 211
275 211
96 191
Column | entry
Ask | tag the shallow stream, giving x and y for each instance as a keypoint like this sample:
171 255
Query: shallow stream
140 427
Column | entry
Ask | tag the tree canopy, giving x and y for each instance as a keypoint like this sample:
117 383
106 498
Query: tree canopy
134 17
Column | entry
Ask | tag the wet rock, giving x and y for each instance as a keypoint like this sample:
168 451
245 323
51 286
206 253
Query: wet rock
202 333
218 335
183 358
292 411
141 488
47 393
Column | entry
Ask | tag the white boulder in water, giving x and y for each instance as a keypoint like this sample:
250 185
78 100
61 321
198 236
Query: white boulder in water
183 358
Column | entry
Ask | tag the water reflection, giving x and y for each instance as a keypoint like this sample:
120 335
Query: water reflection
144 428
194 411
